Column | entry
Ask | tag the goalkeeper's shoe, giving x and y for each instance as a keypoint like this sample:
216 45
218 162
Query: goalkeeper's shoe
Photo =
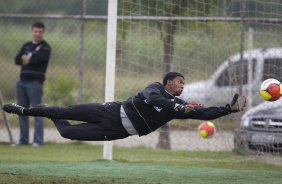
14 109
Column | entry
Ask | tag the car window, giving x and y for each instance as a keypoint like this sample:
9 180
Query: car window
272 68
235 74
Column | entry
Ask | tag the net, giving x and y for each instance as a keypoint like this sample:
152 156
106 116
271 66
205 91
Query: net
221 47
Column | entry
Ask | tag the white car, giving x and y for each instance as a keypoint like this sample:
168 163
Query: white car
236 76
260 129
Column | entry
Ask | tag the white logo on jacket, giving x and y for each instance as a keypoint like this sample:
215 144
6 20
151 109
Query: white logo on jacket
159 109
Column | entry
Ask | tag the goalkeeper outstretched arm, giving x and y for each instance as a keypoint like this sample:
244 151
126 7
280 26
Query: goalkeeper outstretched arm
197 111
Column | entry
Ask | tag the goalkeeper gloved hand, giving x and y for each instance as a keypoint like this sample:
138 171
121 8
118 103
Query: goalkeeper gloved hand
186 108
237 104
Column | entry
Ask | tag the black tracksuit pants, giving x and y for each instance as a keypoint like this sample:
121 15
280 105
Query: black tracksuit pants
102 121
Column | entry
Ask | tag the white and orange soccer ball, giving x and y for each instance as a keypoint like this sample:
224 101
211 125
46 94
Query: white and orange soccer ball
270 90
207 129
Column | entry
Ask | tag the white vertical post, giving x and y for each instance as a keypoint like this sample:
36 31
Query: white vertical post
250 70
110 65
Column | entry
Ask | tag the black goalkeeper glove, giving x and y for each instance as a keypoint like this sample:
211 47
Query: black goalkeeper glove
237 104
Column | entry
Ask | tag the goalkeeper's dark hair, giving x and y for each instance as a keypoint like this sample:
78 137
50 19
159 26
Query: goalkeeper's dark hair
171 76
38 25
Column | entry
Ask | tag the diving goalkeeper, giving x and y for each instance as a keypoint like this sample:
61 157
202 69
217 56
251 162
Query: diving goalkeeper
138 115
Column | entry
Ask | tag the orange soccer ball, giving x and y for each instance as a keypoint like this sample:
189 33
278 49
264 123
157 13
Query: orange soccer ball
206 129
271 89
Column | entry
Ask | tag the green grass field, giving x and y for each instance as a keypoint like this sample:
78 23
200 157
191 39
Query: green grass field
81 163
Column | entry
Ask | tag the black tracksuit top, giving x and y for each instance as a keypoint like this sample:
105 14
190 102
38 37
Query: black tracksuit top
153 107
40 54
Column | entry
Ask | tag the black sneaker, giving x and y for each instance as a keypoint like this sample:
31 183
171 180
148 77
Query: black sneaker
14 109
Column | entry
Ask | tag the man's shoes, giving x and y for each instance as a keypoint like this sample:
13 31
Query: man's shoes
36 145
19 144
14 109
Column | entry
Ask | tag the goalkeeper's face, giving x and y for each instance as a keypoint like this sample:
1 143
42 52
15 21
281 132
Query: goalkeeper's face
175 86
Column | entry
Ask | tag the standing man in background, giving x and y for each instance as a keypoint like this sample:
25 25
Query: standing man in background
33 59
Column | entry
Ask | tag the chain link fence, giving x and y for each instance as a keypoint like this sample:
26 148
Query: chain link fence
195 40
76 69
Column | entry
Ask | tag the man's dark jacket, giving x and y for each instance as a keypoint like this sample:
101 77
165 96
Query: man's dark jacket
39 57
